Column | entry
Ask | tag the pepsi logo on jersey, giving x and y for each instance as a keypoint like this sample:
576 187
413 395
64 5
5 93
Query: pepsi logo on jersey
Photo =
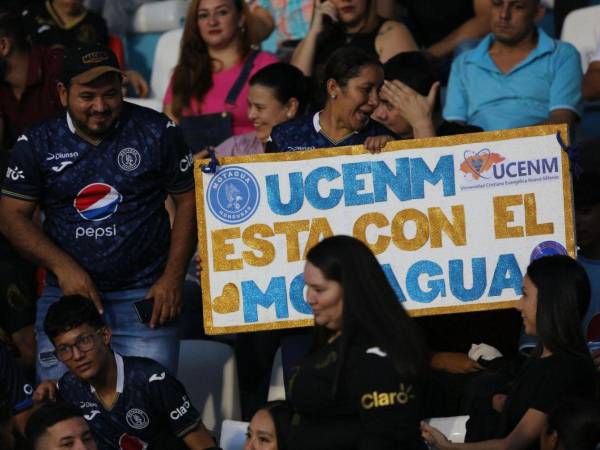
127 442
97 202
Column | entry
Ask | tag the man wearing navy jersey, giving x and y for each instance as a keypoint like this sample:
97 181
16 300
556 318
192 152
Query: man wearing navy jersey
130 403
101 173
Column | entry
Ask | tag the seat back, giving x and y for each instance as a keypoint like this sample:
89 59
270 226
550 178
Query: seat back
165 60
208 371
160 16
454 428
166 55
233 435
582 28
277 387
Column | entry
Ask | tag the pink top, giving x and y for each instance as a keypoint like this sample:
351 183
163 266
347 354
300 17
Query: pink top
243 144
214 101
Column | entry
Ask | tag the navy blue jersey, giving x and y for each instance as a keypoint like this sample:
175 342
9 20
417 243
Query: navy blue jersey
104 203
150 402
12 382
305 133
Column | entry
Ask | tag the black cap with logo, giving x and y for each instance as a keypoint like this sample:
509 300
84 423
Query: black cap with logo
82 64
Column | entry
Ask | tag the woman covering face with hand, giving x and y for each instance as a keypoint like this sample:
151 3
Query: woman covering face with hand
556 294
362 387
339 23
351 82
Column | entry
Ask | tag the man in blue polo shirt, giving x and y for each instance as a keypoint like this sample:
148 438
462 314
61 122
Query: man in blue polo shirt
101 173
517 76
129 403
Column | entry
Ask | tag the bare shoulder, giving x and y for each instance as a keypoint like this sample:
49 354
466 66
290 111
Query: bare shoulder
393 37
392 27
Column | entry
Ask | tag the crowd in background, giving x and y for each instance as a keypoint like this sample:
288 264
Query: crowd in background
97 225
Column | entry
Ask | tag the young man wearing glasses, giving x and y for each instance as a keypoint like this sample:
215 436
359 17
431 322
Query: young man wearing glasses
128 402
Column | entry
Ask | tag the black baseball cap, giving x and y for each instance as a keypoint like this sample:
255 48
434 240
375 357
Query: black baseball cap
84 63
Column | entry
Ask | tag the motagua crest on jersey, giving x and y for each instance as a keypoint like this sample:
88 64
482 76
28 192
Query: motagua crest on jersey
137 419
129 159
233 195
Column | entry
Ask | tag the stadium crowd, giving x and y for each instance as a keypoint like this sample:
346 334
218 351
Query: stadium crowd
98 226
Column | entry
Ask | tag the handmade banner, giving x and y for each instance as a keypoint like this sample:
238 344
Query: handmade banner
454 222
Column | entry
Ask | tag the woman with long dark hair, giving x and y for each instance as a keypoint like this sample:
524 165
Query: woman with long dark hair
556 294
215 46
338 23
350 84
362 386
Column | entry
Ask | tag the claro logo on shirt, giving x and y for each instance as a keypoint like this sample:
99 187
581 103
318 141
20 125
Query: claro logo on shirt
186 162
181 410
377 399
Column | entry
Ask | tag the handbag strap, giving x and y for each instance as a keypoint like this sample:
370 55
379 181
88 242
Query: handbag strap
237 87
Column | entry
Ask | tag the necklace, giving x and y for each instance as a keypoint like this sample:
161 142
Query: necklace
334 337
350 36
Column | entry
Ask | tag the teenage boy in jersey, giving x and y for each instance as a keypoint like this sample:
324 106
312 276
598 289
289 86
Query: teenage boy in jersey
101 173
125 400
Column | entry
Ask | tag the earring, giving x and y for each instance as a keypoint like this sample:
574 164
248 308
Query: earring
333 96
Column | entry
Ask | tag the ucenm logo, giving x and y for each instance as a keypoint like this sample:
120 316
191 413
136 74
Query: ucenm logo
486 165
233 195
477 164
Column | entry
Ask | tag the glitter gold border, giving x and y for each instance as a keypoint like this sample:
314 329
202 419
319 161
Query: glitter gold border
568 197
202 245
411 144
483 306
286 324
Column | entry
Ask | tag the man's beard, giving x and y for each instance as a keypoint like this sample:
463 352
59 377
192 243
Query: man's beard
94 133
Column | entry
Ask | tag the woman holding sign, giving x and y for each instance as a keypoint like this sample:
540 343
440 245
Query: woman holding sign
277 93
352 79
556 294
362 387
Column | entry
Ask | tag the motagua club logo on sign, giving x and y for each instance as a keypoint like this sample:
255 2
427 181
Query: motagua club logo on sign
233 195
97 201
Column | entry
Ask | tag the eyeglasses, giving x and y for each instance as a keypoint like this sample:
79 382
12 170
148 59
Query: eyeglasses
84 343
